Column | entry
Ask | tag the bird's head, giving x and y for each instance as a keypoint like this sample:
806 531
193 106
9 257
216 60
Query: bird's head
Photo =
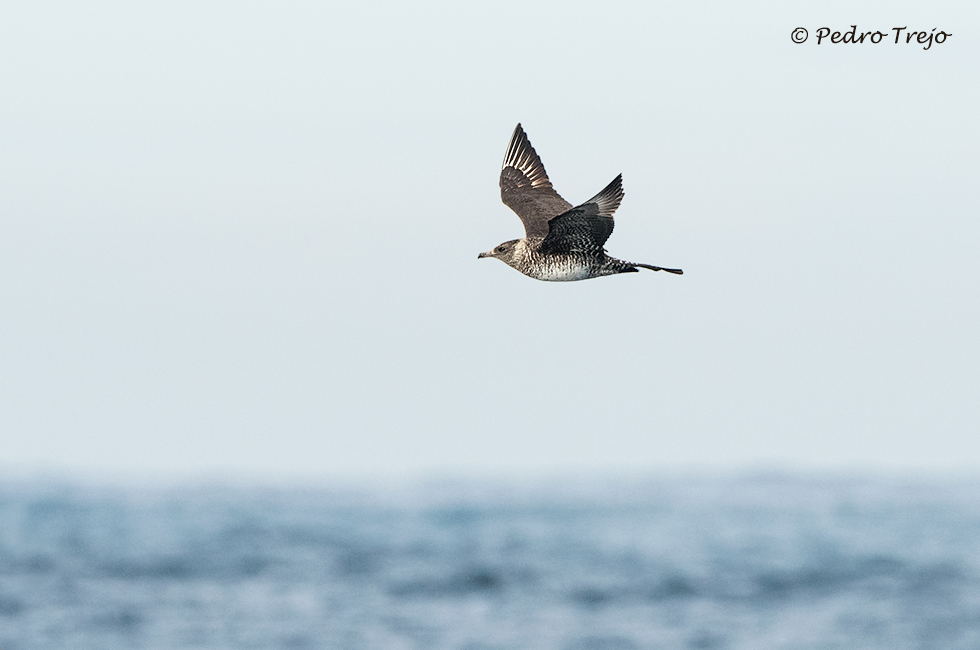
508 252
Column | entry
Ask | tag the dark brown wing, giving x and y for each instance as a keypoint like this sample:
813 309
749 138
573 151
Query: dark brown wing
525 188
585 228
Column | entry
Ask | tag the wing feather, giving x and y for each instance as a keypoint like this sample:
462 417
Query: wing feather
585 228
525 187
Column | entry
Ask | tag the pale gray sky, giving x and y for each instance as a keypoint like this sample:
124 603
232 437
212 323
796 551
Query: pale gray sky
240 238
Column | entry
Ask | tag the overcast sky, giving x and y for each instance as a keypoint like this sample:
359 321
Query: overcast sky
240 238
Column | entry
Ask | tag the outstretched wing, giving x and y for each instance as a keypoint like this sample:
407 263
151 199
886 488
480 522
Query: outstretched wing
525 188
585 228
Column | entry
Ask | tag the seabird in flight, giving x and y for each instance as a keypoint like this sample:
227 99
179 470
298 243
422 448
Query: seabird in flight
562 243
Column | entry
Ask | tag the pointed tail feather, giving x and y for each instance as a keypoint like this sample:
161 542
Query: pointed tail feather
658 268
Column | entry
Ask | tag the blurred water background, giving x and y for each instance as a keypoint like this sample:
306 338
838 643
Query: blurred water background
763 561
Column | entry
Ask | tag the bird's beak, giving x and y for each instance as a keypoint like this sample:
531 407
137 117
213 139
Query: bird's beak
482 255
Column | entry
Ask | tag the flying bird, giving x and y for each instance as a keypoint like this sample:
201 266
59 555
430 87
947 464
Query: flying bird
562 243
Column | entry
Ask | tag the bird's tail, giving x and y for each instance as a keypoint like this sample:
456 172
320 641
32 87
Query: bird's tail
657 268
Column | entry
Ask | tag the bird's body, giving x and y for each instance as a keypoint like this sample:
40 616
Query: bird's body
530 260
563 243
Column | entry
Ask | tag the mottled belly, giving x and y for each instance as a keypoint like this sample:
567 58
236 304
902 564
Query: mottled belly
562 273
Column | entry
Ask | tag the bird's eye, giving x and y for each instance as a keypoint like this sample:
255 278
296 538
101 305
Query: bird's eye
500 249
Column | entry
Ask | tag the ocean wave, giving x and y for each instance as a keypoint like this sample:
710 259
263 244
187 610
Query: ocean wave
704 565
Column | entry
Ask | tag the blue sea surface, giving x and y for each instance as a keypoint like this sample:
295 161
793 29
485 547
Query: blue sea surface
773 562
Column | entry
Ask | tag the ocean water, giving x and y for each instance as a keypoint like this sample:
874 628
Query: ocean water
764 562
